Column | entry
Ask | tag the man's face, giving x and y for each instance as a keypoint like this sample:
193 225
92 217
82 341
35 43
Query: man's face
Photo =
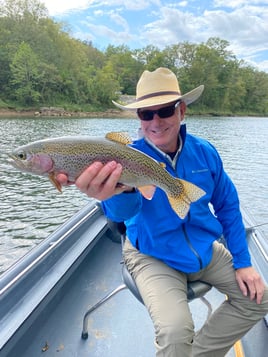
163 132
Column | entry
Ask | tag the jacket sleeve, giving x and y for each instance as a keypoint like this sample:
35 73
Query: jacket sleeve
121 207
227 209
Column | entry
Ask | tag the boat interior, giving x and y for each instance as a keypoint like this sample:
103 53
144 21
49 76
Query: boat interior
70 296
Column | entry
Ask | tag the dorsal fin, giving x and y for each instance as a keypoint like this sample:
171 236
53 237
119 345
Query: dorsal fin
119 137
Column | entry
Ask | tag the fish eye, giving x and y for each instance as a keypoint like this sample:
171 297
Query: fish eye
21 155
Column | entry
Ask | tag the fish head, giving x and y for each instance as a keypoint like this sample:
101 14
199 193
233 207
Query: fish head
30 160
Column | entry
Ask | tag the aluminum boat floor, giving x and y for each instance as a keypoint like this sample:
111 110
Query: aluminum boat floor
119 328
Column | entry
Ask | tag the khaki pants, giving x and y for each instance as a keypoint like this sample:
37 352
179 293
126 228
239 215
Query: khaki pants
164 293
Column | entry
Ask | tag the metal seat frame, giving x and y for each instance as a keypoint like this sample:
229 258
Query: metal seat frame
195 289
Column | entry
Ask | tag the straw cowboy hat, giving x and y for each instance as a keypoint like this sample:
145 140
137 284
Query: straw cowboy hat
159 87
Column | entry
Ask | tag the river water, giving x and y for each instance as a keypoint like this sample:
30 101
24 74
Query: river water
31 208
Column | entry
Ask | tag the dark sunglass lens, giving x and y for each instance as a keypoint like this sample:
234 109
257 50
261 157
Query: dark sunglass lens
146 115
166 112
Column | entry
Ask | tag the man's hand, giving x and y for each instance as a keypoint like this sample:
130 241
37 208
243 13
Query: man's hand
250 283
98 181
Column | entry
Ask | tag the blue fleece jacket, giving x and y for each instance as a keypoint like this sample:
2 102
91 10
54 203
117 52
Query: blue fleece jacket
185 244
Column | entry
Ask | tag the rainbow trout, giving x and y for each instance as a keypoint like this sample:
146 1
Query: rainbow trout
72 155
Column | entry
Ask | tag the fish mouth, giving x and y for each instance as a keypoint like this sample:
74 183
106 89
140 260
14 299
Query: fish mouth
11 158
15 162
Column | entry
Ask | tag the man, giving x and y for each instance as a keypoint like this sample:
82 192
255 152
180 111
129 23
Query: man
162 250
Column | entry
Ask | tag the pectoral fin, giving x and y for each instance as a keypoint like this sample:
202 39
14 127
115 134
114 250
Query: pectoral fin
55 182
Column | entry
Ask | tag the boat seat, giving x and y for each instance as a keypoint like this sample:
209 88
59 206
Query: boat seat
195 289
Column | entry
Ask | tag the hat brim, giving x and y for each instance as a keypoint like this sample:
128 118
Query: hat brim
188 98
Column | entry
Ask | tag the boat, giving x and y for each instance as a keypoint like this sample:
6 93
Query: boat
70 296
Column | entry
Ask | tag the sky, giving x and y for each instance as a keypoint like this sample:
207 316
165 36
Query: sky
138 23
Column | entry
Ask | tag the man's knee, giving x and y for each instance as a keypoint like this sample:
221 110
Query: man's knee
175 332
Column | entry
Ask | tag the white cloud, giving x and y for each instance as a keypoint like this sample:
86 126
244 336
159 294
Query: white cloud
244 28
98 12
56 7
117 37
119 20
233 4
183 3
263 66
172 27
136 4
243 23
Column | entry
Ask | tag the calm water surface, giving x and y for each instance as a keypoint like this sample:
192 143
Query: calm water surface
31 208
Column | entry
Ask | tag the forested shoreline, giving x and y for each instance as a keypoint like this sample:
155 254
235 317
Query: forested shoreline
41 65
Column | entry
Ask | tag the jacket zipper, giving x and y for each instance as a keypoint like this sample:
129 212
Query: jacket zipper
191 246
174 163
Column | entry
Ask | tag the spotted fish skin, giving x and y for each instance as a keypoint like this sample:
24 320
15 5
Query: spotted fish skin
72 155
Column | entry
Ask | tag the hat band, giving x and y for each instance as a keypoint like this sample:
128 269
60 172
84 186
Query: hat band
156 94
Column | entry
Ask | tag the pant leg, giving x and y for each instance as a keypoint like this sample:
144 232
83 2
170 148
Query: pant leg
164 291
234 317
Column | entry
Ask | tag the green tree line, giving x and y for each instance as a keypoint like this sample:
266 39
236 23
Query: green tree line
42 65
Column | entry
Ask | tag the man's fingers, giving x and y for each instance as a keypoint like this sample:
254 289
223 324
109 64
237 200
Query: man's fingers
63 180
250 283
85 179
100 181
242 286
259 290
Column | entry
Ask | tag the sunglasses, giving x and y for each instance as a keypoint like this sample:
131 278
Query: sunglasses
163 113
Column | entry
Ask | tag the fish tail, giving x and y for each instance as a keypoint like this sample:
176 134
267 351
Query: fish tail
188 193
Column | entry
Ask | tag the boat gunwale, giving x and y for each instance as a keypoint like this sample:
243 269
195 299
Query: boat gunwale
27 284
